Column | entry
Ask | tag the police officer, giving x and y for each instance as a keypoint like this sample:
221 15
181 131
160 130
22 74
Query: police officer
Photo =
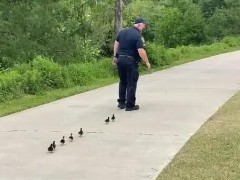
128 50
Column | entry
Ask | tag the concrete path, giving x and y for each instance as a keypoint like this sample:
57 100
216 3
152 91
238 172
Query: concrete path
174 104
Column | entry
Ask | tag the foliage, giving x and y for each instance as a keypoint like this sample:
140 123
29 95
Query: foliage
175 28
57 29
44 74
224 22
70 31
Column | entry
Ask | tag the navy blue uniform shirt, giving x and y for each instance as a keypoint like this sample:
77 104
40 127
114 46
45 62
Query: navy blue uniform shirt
129 41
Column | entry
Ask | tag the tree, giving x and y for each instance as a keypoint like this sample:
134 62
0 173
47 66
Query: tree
223 23
59 29
210 6
118 16
176 27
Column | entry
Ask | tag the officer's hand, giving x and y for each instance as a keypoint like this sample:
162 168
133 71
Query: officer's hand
148 65
114 61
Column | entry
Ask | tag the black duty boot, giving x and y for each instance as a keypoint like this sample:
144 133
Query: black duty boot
121 105
136 107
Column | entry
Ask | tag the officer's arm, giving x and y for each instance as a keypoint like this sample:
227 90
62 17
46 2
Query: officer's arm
142 53
115 48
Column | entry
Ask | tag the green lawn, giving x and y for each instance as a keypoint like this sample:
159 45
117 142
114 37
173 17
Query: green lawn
213 153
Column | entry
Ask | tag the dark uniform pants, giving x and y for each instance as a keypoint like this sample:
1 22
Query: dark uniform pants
128 74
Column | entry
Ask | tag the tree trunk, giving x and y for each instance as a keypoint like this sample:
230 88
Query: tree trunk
118 16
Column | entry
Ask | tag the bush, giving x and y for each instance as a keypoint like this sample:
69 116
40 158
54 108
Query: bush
176 27
218 46
156 54
172 54
231 41
50 72
67 77
80 74
10 86
105 69
32 82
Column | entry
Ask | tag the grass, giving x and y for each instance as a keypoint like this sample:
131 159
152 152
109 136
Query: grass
213 153
197 56
29 101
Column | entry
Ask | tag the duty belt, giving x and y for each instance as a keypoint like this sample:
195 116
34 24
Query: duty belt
126 56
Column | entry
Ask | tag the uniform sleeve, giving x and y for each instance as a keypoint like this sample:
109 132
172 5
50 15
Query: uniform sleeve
139 43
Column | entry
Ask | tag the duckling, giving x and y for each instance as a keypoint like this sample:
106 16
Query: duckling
62 140
54 145
71 137
107 120
113 117
50 148
80 132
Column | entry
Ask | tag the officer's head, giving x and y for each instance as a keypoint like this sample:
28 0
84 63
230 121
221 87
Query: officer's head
140 24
